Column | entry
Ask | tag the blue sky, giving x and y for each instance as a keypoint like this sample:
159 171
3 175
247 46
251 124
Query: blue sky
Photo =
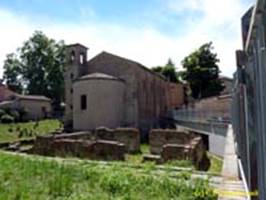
148 31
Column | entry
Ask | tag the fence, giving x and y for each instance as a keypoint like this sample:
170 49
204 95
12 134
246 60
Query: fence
249 99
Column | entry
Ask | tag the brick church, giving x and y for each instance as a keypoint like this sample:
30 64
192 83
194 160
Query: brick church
112 91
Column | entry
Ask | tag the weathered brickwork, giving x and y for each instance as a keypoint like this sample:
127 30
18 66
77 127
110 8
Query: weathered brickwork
128 136
220 105
174 145
94 150
102 143
160 137
147 95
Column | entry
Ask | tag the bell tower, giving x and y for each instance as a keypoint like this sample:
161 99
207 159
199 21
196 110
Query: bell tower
76 66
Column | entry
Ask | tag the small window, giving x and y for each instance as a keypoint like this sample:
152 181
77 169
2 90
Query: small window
81 59
71 91
71 107
72 56
83 102
72 76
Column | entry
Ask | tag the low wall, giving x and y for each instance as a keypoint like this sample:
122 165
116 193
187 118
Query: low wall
94 150
160 137
128 136
175 145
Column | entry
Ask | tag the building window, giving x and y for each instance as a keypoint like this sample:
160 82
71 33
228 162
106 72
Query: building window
71 91
81 59
71 107
83 102
72 56
72 76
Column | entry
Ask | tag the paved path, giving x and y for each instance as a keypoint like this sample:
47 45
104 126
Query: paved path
231 187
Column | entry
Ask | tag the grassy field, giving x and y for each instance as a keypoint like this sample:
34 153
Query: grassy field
34 178
215 168
11 132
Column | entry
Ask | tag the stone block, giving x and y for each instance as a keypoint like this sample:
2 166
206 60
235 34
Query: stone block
71 147
95 150
152 158
128 136
176 152
160 137
109 150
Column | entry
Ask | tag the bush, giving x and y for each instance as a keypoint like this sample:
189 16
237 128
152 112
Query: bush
2 112
7 119
15 114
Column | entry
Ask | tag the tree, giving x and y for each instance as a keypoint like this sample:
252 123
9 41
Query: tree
168 71
202 72
12 73
40 66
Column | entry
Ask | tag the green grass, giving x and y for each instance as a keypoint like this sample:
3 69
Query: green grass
10 132
216 164
215 168
35 178
138 157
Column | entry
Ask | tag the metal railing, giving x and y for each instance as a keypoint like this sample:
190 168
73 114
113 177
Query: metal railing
205 117
249 99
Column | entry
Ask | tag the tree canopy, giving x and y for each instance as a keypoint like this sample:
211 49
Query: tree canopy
12 73
202 72
168 71
37 66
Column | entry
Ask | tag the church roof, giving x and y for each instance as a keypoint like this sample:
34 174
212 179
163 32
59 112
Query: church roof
131 62
98 76
77 44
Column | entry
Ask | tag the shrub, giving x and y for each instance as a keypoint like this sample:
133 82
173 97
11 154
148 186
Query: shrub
22 114
16 115
2 112
7 119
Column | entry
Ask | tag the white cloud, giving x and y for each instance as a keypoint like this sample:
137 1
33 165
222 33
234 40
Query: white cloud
220 23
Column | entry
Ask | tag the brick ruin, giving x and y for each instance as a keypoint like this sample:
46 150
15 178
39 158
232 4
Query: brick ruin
114 144
174 145
101 144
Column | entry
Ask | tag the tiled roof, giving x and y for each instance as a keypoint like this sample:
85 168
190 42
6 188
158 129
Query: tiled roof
98 76
133 63
32 97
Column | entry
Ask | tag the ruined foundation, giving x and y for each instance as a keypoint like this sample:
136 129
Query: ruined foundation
175 145
101 144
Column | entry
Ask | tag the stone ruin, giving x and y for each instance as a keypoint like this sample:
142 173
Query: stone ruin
166 145
113 144
101 144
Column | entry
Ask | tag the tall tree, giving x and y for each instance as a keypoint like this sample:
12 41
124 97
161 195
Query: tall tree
168 71
41 61
202 72
12 73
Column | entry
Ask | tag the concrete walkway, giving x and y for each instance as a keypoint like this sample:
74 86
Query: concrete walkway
231 188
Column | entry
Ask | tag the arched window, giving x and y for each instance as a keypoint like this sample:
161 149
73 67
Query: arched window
81 59
72 58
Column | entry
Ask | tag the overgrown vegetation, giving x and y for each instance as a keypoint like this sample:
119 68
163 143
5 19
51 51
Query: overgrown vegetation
8 115
15 131
216 164
32 177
